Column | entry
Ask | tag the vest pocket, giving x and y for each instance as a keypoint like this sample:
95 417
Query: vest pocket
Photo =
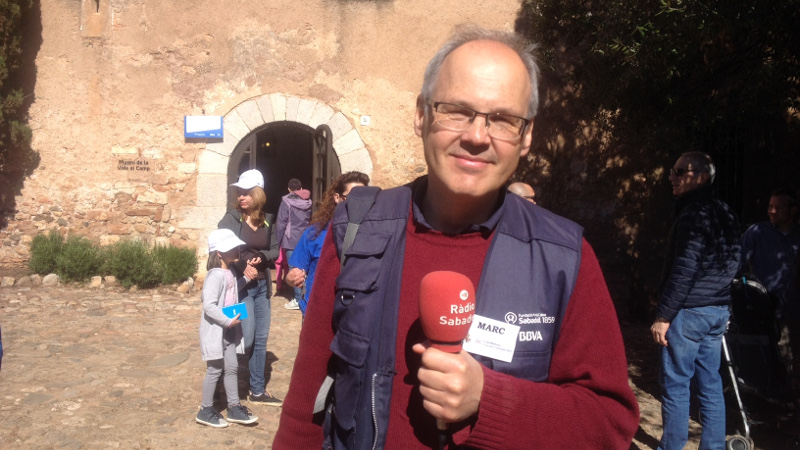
351 353
363 262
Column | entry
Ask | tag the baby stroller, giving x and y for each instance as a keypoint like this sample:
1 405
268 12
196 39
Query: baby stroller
750 351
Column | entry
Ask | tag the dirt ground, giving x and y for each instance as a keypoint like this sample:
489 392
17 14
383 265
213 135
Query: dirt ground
109 368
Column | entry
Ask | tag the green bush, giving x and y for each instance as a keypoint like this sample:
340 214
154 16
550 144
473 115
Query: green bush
175 264
44 252
79 259
132 263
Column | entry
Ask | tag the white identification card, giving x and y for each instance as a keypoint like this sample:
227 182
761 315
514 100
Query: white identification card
492 338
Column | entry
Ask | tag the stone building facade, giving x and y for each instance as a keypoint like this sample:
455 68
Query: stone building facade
115 78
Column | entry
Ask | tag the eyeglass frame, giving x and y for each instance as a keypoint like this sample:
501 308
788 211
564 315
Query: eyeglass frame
486 115
681 171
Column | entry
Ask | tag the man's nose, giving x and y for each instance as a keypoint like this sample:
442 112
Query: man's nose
478 130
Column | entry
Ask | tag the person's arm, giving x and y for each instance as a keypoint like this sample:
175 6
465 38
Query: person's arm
213 289
300 261
586 401
748 248
281 221
298 427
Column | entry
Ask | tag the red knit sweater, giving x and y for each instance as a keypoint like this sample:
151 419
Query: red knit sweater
586 402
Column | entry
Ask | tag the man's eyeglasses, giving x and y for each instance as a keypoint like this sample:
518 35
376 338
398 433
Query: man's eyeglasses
679 172
505 127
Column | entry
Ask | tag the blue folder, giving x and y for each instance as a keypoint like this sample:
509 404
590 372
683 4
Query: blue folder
233 310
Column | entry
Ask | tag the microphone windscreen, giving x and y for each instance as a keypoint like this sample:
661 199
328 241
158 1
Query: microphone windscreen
446 307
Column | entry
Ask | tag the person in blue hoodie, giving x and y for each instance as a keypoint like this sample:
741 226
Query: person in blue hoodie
294 215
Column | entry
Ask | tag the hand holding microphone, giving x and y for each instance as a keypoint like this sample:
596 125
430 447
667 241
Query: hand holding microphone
451 381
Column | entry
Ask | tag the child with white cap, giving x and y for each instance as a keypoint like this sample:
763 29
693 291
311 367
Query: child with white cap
221 336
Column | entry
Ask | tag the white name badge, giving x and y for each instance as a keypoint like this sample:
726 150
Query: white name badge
492 338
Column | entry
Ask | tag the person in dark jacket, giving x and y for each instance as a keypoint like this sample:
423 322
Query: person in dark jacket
252 226
294 215
702 259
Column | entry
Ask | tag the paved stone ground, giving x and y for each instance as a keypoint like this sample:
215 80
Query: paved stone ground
109 368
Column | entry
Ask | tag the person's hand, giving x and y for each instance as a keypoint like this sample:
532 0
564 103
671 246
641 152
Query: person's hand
235 321
254 261
250 272
451 384
659 331
296 277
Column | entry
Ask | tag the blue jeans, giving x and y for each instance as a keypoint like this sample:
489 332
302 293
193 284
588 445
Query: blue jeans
256 332
298 292
694 346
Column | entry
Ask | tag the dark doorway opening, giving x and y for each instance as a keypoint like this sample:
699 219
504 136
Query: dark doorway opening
282 151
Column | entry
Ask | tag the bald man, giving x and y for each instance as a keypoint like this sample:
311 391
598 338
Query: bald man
524 190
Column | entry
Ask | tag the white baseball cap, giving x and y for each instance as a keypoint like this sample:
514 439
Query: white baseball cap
250 179
223 240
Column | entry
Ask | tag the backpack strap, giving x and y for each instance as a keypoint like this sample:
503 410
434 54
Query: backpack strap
359 202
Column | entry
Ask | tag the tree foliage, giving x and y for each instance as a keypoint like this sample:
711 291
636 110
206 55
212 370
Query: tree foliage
629 85
16 156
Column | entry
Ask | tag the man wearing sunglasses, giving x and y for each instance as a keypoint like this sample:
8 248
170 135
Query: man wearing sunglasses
702 259
558 380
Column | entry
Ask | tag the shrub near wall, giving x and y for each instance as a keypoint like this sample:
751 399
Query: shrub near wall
131 262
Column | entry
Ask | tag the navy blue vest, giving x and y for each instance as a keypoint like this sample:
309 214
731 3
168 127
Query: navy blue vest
527 279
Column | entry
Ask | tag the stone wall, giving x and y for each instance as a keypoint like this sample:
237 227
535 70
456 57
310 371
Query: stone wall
115 78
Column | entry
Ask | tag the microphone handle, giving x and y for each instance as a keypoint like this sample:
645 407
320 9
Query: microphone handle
444 435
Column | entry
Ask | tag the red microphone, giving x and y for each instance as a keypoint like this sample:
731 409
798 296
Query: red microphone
446 308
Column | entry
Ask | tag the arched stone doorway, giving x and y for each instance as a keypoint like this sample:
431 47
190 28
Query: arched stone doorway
247 120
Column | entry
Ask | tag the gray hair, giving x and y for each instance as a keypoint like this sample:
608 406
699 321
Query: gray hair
463 34
702 163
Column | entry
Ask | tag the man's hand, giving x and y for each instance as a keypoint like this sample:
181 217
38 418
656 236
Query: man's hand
296 277
659 331
451 384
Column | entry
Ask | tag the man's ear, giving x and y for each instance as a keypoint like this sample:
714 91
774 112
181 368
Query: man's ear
527 140
704 178
419 116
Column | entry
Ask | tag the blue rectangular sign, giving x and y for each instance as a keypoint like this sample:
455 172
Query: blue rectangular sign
202 127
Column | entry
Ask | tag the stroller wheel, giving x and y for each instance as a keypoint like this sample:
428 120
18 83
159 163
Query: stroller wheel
739 443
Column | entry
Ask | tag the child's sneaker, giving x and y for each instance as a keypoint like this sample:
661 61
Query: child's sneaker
209 416
292 304
266 399
240 414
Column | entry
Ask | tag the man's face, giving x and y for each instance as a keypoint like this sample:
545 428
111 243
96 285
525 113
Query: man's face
687 178
488 77
779 211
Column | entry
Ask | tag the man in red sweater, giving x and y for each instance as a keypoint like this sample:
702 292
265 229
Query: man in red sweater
474 117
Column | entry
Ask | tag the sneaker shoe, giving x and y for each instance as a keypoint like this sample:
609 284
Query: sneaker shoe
266 399
240 414
291 305
209 416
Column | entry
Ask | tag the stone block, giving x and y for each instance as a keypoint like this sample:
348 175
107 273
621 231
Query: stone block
200 218
292 104
96 282
36 279
322 114
278 107
305 109
24 281
250 114
166 214
110 280
50 280
7 282
212 162
144 229
212 190
265 106
235 125
157 216
187 168
154 197
140 212
119 229
339 125
359 160
347 143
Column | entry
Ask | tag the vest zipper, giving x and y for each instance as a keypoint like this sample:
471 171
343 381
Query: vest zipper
374 414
